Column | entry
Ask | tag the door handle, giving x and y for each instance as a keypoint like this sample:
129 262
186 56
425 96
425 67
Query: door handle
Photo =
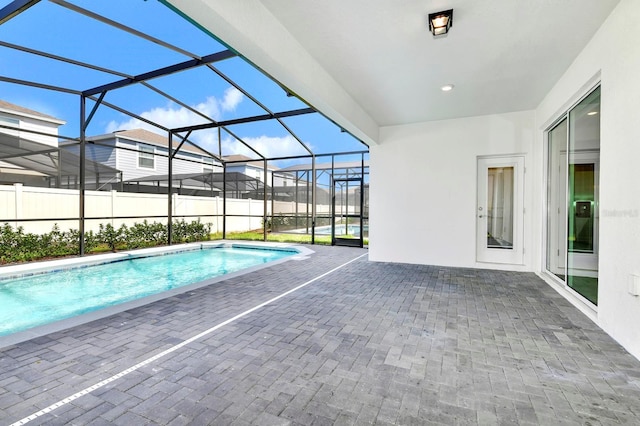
480 216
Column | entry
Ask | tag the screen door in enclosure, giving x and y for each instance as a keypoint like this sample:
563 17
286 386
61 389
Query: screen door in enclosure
500 211
346 223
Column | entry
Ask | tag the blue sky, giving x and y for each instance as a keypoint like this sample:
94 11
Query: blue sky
55 29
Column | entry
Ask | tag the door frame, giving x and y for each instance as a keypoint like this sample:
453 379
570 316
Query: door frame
336 240
485 254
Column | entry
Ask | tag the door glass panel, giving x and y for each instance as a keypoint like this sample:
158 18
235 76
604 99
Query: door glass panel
347 216
499 210
572 198
500 207
582 208
557 200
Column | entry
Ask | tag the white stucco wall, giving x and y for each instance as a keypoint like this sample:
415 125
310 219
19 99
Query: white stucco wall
613 55
423 187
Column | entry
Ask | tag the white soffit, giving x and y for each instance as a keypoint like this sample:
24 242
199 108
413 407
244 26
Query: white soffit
501 55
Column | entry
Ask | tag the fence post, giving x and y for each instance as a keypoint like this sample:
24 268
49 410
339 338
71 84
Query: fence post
217 212
18 202
114 195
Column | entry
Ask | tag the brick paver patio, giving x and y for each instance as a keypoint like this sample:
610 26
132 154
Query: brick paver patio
370 343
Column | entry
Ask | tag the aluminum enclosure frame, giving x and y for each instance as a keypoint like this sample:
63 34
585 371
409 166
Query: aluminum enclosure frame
97 95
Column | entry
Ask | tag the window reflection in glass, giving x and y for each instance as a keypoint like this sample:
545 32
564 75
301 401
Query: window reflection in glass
500 207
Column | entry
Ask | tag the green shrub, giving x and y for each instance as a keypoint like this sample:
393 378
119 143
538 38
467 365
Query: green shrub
145 235
183 232
110 236
18 246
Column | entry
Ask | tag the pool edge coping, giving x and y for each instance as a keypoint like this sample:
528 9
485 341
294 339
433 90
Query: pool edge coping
52 265
67 323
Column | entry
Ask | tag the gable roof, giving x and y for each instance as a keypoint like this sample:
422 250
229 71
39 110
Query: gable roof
20 110
148 137
239 160
238 157
142 135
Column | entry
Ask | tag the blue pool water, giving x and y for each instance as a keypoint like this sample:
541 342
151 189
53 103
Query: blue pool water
341 230
40 299
353 230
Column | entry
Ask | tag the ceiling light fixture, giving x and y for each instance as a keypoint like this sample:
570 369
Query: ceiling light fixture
592 113
440 22
447 88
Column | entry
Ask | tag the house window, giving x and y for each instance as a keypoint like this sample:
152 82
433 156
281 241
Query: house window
207 166
146 157
9 120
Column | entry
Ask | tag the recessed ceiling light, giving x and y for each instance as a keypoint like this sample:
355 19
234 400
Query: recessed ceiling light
592 113
447 88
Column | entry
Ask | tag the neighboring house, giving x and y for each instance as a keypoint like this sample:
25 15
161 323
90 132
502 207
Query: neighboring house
31 156
140 153
280 183
255 169
26 120
14 142
142 157
326 173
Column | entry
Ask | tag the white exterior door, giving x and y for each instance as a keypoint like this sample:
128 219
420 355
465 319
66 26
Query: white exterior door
500 210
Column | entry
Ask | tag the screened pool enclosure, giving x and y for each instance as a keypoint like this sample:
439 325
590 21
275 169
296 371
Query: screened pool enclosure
147 117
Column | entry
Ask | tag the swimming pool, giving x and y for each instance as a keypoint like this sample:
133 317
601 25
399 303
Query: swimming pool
43 296
341 230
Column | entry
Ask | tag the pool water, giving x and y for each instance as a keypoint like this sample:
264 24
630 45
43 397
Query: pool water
341 230
40 299
353 230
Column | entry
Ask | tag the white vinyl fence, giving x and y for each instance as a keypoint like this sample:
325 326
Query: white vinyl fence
18 202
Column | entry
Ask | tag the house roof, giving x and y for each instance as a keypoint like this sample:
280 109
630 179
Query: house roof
326 166
20 110
151 138
233 180
142 135
239 159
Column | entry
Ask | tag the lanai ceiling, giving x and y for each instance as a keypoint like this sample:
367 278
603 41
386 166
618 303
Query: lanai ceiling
501 55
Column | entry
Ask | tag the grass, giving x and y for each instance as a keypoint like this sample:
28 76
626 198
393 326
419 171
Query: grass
275 237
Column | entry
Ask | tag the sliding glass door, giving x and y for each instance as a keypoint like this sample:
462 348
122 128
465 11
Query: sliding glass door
573 174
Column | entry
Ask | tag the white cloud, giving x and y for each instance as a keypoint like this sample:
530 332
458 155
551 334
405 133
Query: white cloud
207 139
232 97
172 117
270 147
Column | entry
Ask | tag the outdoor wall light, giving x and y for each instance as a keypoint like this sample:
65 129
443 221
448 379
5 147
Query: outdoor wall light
440 22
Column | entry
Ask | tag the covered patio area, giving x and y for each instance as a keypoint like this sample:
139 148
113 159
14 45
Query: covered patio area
355 342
